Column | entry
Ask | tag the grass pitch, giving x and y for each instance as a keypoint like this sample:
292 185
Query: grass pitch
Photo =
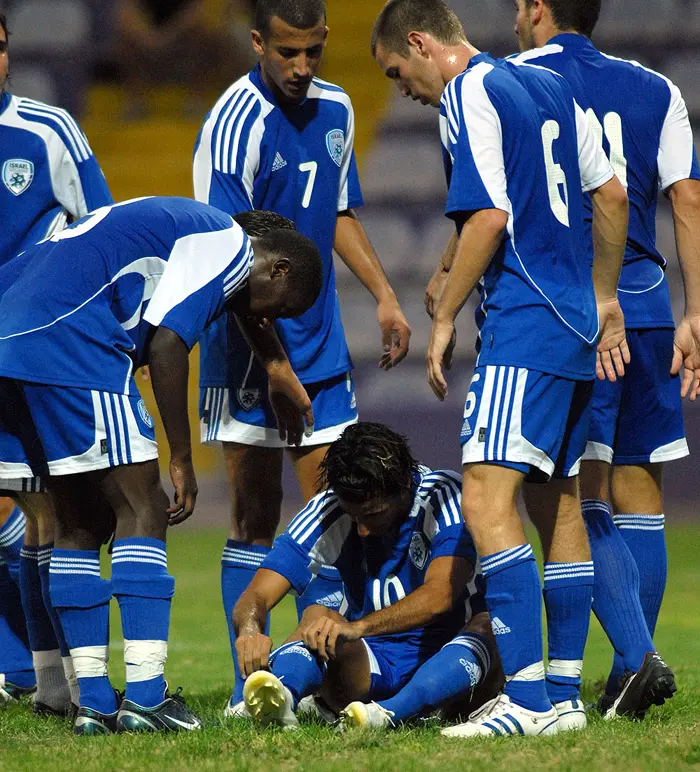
668 739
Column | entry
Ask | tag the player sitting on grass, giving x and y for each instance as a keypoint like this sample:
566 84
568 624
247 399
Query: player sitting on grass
394 531
130 285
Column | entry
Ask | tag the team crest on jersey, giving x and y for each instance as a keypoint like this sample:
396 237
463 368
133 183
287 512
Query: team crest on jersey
145 415
249 398
418 551
17 174
335 142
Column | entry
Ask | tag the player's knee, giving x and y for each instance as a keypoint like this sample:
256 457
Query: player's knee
317 611
7 506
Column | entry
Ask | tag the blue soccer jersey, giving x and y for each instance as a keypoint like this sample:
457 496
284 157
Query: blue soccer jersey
515 140
49 173
642 122
297 161
379 571
80 308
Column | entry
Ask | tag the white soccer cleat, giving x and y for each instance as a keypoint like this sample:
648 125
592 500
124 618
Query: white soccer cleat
312 708
269 701
571 715
361 715
500 717
238 710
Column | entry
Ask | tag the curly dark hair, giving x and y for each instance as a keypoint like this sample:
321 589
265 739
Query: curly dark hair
259 222
368 460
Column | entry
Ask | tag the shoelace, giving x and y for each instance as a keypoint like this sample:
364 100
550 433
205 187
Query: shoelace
487 708
388 713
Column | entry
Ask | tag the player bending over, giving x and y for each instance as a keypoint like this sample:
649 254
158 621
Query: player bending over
281 139
394 531
129 285
637 422
518 154
49 175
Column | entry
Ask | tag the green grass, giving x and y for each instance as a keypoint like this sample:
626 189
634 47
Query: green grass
668 739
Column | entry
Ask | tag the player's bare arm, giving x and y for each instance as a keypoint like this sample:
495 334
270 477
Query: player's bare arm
291 403
685 200
436 285
354 248
445 580
478 242
610 214
253 646
169 365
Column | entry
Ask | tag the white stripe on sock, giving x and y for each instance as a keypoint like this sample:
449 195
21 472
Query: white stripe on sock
144 660
90 661
571 668
534 672
44 659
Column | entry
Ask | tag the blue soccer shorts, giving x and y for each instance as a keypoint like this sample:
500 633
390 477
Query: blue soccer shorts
526 420
244 414
52 430
639 418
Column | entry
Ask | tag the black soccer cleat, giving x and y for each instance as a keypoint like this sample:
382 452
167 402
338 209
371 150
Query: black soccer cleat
652 684
10 692
89 722
172 715
44 710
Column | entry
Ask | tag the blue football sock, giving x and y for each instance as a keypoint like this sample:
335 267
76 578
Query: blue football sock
238 564
616 592
81 598
11 541
568 594
645 539
144 590
514 601
456 669
44 566
298 669
41 632
325 589
15 657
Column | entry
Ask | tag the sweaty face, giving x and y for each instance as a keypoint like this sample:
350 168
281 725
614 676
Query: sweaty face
4 59
416 76
290 58
378 516
523 26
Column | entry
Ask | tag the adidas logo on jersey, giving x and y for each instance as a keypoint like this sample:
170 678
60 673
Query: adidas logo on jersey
498 627
278 163
334 600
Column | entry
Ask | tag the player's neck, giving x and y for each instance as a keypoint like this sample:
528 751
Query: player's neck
549 31
453 60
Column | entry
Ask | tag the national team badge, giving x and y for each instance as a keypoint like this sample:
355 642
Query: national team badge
418 551
249 398
17 174
145 415
335 142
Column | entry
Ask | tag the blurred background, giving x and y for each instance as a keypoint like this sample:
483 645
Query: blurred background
141 74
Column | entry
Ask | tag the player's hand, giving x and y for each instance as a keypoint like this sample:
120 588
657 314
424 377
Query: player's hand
686 356
442 342
433 292
185 482
322 635
613 352
395 333
253 652
291 405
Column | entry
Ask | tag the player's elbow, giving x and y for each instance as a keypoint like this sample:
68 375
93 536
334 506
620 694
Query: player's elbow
685 196
494 221
612 196
442 598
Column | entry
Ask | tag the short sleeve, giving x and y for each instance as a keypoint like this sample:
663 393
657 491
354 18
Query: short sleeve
594 165
477 179
349 192
677 159
289 559
451 537
198 279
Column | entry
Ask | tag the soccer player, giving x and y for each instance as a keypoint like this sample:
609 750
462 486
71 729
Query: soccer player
131 284
281 139
637 426
518 153
393 530
49 174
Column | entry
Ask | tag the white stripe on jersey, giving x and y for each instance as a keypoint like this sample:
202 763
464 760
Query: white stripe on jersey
79 145
304 524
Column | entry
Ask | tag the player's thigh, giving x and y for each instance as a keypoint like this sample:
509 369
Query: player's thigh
84 520
255 476
650 426
306 462
350 675
38 509
7 507
594 480
638 489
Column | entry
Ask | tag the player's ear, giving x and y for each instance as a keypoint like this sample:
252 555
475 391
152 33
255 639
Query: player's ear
258 42
536 11
280 267
417 41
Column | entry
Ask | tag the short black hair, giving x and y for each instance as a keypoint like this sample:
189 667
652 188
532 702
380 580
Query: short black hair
399 17
300 14
3 24
578 15
367 461
258 222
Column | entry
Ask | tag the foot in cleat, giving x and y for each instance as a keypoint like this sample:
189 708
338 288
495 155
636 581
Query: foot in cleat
361 715
652 684
571 715
236 710
171 715
269 701
10 692
91 722
44 710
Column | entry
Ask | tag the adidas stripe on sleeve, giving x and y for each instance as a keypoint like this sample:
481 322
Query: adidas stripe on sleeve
444 523
677 159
